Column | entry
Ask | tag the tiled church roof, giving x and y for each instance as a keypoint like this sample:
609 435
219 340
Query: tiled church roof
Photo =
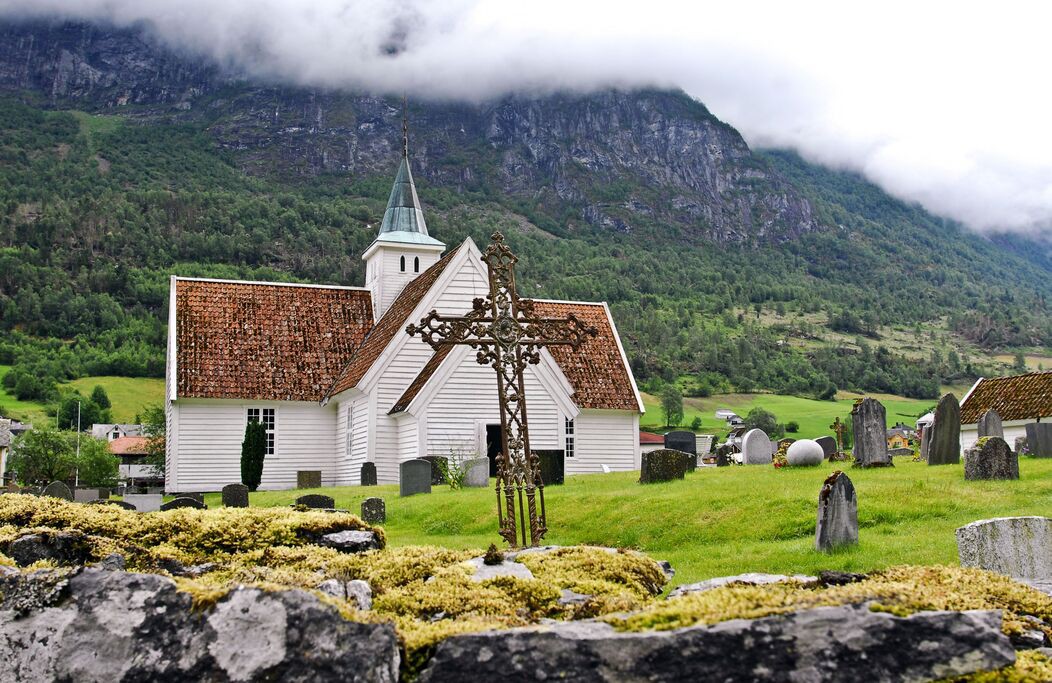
1020 397
265 341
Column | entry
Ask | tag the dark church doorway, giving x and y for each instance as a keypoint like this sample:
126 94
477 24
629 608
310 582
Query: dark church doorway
493 445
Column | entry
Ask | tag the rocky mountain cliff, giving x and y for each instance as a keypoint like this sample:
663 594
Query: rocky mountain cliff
625 161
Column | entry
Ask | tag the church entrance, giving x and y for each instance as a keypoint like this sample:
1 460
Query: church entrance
493 442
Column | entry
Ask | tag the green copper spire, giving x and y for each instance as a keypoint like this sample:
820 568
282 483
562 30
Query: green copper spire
404 219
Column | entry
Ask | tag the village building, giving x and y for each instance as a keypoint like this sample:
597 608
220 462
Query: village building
115 431
133 470
9 429
337 381
1018 400
649 441
899 436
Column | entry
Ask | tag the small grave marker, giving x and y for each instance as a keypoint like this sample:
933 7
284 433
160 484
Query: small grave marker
374 511
476 472
990 424
368 474
145 502
316 501
1039 439
837 513
663 464
414 476
991 458
308 479
183 502
1020 547
235 496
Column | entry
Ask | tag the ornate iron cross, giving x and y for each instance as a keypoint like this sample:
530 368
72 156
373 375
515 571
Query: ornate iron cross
507 335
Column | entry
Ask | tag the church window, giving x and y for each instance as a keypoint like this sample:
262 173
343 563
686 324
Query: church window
402 263
569 438
416 264
266 417
350 430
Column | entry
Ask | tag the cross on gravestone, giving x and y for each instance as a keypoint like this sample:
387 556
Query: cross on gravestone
368 474
508 335
235 496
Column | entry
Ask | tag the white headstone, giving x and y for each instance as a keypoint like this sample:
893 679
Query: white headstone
757 448
476 472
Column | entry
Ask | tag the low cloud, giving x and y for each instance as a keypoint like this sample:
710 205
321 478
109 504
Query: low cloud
941 103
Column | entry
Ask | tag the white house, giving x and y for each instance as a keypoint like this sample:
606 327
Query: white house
1018 400
111 432
336 380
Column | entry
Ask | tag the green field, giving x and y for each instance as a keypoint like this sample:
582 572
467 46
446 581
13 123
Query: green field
129 395
724 521
814 417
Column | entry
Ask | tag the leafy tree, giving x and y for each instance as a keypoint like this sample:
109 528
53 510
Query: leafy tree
99 396
1019 362
792 427
695 424
89 413
758 418
42 455
154 425
672 404
253 450
96 465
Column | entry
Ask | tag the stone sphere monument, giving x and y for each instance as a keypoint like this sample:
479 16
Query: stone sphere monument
805 453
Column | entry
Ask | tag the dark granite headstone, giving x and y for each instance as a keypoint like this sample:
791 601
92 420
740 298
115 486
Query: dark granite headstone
990 424
682 440
58 489
828 445
414 476
925 443
437 463
553 464
663 464
369 474
308 479
870 427
235 496
837 513
316 501
183 502
945 445
1039 439
991 458
118 503
195 495
374 511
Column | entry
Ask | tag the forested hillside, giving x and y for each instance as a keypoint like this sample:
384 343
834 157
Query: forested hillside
725 268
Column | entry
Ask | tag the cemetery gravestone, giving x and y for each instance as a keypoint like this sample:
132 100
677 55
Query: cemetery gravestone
414 476
990 425
31 490
476 472
235 496
552 467
945 445
11 487
828 445
757 448
183 502
369 474
144 502
308 479
991 458
805 453
58 489
870 426
316 501
1020 547
1039 439
837 513
663 464
85 495
374 510
437 463
119 503
682 440
199 497
925 443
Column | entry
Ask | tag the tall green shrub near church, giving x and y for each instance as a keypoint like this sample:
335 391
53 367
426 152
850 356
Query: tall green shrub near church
253 450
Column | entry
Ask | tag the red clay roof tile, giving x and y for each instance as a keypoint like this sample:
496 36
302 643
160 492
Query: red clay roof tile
1020 397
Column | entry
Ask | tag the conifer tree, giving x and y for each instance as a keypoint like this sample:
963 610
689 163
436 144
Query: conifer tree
253 450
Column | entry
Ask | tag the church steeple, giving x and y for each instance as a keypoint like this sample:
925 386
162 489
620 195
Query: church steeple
403 249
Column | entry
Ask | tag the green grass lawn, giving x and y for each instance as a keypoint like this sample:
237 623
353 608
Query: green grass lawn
814 417
129 395
724 521
10 406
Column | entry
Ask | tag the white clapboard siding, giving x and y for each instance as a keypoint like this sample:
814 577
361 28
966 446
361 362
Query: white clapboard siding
1012 430
349 465
468 398
605 437
210 433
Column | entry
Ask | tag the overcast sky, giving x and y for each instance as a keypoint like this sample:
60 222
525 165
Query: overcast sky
945 103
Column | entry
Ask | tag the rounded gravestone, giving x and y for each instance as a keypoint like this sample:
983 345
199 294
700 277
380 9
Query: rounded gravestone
990 424
991 458
58 489
805 453
757 448
235 496
828 445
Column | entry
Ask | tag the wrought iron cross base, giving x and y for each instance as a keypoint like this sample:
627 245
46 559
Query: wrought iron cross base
508 491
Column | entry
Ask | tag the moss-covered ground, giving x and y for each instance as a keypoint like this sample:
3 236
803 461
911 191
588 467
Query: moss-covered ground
723 521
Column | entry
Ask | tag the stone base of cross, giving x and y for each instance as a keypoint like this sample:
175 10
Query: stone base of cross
508 335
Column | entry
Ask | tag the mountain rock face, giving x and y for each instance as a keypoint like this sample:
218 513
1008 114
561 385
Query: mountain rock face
617 160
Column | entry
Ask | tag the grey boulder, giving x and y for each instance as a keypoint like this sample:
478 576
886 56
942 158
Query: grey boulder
351 541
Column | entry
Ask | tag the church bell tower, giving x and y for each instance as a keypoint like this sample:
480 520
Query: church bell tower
403 249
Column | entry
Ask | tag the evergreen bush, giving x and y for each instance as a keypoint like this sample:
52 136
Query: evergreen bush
253 450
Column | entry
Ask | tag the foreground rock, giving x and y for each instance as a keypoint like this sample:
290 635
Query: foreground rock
1020 547
751 578
112 626
848 643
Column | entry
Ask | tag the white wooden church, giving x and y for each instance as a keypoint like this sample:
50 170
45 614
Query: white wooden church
333 375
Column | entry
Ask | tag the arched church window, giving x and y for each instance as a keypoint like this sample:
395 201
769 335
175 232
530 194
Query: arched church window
402 263
416 264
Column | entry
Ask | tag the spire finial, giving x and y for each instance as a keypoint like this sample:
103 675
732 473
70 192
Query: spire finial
405 127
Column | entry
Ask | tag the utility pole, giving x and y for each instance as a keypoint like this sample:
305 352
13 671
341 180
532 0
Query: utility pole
76 476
